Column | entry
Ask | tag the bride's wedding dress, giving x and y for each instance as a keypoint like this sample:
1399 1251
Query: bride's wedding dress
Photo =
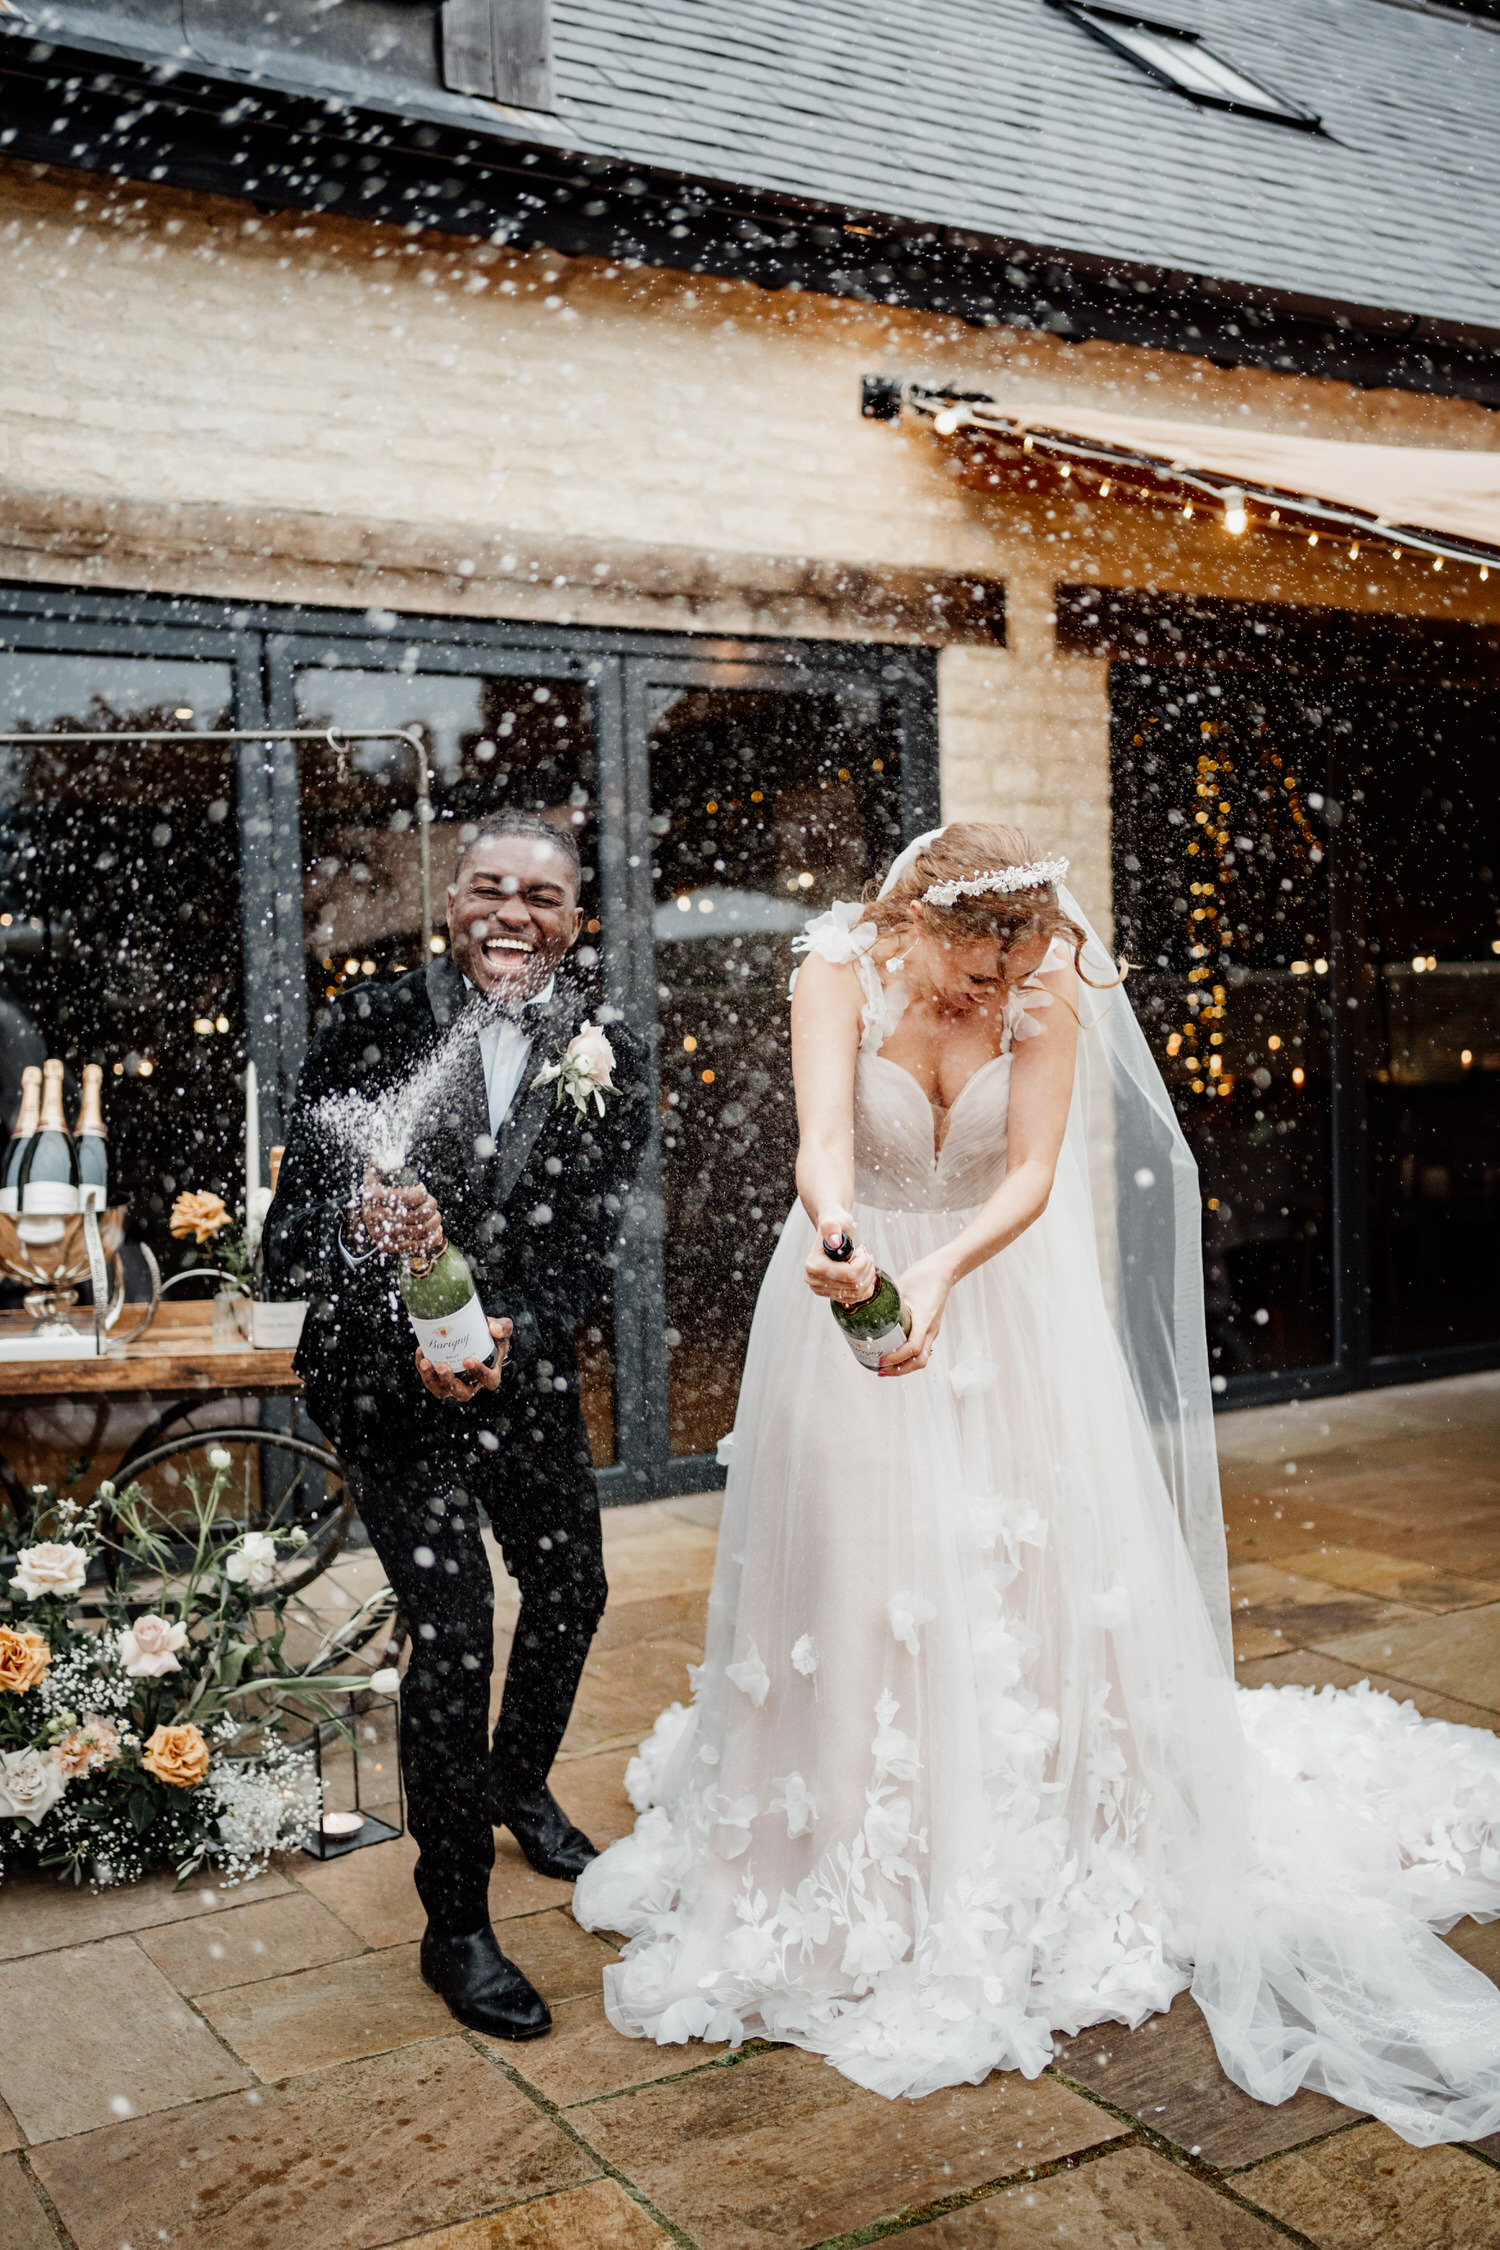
965 1764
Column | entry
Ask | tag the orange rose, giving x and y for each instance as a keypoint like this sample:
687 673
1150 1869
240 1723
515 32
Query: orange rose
178 1755
201 1216
24 1657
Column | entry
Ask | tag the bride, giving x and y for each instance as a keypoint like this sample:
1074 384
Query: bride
966 1764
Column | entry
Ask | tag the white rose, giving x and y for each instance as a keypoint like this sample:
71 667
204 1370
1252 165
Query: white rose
593 1055
30 1785
50 1569
148 1648
253 1562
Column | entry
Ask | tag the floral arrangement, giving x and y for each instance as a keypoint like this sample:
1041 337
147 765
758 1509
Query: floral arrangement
215 1229
143 1709
584 1072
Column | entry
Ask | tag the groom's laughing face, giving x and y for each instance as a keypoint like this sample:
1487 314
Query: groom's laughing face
512 915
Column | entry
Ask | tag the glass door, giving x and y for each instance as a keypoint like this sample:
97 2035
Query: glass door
1224 912
120 914
773 792
502 730
1308 877
1424 808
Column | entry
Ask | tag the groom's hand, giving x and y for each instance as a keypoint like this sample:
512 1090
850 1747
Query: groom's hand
442 1383
403 1221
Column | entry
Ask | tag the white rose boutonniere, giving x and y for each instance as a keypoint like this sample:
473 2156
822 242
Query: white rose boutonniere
584 1072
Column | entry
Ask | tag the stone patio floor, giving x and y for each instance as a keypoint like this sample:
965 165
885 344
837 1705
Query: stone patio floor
261 2069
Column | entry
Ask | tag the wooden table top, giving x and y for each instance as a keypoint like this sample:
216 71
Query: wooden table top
176 1355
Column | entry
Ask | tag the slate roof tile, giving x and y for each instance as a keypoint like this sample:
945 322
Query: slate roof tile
1001 119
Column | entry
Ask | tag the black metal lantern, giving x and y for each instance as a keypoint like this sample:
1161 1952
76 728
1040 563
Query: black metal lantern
357 1761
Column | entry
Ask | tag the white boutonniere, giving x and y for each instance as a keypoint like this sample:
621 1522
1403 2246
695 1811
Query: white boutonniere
584 1072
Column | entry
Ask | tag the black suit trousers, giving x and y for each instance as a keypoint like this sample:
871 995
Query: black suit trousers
535 1482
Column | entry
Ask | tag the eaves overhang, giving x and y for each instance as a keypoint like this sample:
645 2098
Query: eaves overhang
464 167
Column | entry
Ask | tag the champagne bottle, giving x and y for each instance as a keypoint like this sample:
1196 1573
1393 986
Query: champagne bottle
91 1141
442 1303
880 1323
26 1125
47 1182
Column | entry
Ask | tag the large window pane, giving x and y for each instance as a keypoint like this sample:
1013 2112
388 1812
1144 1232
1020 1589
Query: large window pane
1426 809
1223 903
120 938
494 741
769 804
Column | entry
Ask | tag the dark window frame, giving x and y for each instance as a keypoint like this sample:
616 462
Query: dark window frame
265 643
1186 635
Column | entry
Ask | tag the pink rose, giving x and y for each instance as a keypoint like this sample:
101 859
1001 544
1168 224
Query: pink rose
150 1647
592 1055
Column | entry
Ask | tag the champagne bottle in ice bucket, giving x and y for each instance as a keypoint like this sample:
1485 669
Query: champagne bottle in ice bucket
47 1182
91 1141
878 1325
442 1303
26 1125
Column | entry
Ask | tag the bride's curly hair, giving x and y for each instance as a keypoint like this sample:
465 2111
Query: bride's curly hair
967 848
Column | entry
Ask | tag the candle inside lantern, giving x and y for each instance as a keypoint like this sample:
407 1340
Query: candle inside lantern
342 1823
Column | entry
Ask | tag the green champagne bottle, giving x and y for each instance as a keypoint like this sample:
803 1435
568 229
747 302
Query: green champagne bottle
443 1305
878 1325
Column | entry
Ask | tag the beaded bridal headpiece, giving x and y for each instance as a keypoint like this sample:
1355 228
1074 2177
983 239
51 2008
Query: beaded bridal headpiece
1000 879
997 879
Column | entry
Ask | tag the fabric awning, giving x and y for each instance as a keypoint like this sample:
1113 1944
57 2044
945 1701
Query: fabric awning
1427 487
1436 499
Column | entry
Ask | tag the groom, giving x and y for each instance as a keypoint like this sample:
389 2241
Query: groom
532 1190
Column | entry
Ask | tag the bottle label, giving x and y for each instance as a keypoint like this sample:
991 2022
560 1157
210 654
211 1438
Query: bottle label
49 1198
869 1350
456 1337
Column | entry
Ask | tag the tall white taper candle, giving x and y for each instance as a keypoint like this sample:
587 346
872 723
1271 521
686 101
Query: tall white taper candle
252 1134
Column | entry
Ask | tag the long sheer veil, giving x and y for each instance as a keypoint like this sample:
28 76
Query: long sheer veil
1125 1153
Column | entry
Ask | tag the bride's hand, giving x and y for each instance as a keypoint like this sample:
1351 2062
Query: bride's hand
924 1292
851 1281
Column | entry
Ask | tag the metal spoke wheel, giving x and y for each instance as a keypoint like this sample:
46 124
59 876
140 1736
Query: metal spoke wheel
260 1480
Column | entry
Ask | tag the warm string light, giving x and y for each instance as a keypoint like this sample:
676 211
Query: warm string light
948 419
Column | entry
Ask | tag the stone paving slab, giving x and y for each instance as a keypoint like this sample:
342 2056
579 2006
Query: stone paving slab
331 2014
1391 1578
1131 2199
600 2216
377 2122
247 1943
1458 1655
105 2036
1168 2075
24 2225
352 2158
371 1891
41 1914
584 2057
780 2149
1302 1667
1367 2190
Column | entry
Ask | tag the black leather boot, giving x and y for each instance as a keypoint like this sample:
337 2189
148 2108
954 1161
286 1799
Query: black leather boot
481 1987
547 1837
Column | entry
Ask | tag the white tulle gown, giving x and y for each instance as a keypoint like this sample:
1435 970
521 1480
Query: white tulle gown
965 1765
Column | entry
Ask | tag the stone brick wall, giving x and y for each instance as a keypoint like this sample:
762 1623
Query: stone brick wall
295 408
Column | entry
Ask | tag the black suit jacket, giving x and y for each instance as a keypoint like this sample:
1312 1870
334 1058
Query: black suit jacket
538 1210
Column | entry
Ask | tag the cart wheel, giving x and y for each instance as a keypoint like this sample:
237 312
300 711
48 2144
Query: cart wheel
267 1480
